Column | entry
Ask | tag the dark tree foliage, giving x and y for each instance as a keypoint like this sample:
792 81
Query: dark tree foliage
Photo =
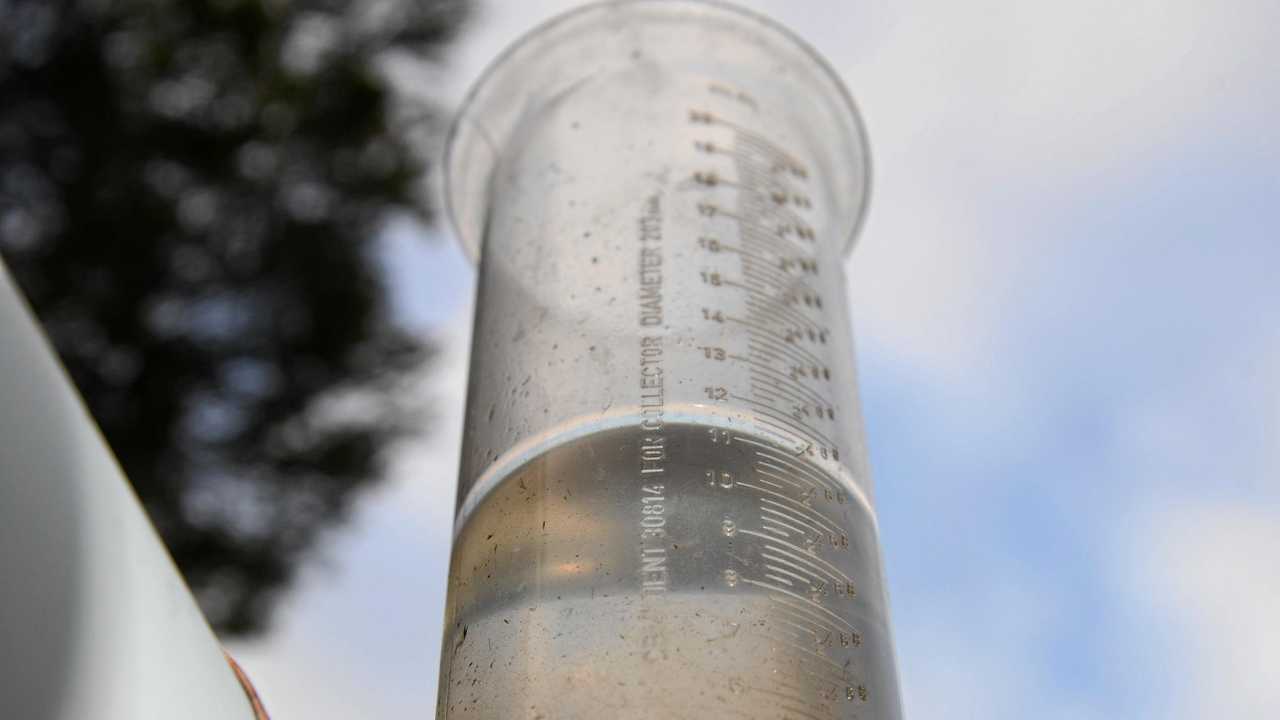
190 194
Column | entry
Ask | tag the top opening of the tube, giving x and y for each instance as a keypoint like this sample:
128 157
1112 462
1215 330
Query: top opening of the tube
572 46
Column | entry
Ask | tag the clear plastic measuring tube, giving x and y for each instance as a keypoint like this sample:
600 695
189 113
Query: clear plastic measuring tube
664 509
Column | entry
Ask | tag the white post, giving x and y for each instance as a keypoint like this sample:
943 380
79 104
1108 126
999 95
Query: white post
95 621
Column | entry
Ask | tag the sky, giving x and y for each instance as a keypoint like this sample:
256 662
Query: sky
1065 302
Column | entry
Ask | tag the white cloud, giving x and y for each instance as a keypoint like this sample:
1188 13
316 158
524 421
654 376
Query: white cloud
961 657
977 111
1194 558
1214 572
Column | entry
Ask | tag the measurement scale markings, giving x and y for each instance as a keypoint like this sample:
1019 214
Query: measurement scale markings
777 158
788 467
801 598
791 487
771 341
793 389
772 411
769 482
776 240
799 412
759 198
755 264
792 484
809 613
757 443
798 555
769 239
775 383
801 507
779 201
781 523
819 627
745 359
818 519
806 582
787 427
834 673
762 372
753 139
765 252
744 222
813 524
777 293
778 447
761 286
754 230
778 306
796 484
772 248
752 166
780 345
815 575
750 324
772 352
782 580
746 255
755 284
776 531
767 236
793 479
781 639
800 578
773 300
770 274
771 226
780 397
776 316
803 631
761 194
771 373
767 243
798 427
711 147
780 220
744 135
784 432
789 296
813 529
793 657
816 666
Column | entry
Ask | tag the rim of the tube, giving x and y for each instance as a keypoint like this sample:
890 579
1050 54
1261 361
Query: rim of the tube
496 67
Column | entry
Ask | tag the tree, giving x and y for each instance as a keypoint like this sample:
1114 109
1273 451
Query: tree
190 194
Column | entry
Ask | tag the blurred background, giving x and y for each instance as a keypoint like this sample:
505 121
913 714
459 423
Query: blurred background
1066 300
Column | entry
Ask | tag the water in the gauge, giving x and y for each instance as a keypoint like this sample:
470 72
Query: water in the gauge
739 581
